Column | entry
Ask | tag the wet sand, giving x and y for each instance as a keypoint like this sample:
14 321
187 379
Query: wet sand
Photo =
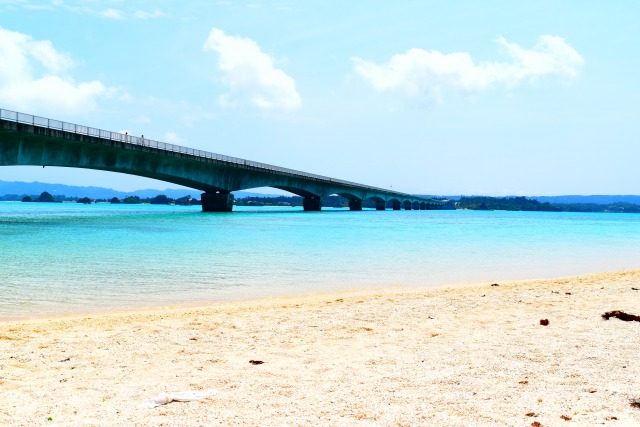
474 355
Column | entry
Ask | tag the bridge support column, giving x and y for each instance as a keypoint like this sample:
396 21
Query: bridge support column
217 202
380 205
311 203
396 205
355 204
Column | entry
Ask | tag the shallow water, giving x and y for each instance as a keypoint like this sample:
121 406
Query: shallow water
59 258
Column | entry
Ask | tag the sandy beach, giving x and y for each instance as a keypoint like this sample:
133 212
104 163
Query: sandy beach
474 355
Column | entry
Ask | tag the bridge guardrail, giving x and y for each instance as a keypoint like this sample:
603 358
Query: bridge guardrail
44 122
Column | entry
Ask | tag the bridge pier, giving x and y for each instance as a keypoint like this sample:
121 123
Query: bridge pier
311 203
355 204
217 202
396 205
381 205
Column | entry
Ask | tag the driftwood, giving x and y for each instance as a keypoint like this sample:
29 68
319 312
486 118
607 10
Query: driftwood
621 315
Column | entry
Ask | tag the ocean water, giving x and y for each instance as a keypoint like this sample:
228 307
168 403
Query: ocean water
67 258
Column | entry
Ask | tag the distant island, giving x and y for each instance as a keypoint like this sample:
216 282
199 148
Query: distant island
44 197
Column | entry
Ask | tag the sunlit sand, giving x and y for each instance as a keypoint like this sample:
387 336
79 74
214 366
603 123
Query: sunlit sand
475 355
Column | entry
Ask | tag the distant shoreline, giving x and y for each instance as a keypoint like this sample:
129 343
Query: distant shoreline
608 204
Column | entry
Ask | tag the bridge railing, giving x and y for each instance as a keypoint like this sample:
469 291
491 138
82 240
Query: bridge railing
44 122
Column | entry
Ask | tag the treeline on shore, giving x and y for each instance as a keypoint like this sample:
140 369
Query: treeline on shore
526 204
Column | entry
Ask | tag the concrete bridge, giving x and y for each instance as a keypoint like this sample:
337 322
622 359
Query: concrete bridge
33 140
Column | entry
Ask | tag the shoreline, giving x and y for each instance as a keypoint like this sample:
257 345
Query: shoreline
281 294
398 355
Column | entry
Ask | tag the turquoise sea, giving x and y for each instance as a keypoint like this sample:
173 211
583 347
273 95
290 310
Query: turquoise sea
67 257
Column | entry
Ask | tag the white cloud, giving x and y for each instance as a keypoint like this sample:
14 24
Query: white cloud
33 76
112 14
173 138
419 73
142 119
87 7
251 74
141 14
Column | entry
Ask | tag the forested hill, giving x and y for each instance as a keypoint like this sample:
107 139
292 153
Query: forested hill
527 204
597 199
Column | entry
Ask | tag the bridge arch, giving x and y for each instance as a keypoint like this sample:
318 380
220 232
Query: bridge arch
395 203
379 203
355 202
346 195
294 190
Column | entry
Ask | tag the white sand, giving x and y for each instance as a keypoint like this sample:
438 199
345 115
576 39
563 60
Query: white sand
463 356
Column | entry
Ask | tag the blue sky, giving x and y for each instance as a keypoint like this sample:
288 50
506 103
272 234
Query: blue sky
524 98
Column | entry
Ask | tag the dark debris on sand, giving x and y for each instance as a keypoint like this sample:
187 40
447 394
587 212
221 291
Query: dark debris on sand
621 315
